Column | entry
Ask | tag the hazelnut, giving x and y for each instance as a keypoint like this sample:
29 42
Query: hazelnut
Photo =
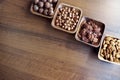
46 11
63 27
41 10
50 1
51 9
77 17
55 1
60 9
47 5
59 17
57 24
70 15
74 24
76 21
36 1
73 9
69 28
56 20
66 8
63 21
77 13
41 4
51 13
69 10
35 7
44 0
72 28
51 5
66 27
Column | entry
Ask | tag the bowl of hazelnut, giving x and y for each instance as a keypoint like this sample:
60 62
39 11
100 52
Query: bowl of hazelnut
45 8
90 31
67 18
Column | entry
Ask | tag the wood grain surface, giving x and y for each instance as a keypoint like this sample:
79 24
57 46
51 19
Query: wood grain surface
30 49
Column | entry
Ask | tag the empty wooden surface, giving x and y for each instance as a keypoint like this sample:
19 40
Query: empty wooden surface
30 49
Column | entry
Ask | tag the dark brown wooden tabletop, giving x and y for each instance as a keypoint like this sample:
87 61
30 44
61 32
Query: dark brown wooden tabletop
30 49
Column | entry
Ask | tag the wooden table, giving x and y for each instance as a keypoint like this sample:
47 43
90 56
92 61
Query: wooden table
30 49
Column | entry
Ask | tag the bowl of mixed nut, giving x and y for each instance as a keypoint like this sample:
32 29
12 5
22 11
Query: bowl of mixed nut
67 18
45 8
90 32
110 50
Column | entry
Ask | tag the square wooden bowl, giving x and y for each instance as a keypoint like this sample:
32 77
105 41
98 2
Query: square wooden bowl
39 14
102 25
57 10
99 53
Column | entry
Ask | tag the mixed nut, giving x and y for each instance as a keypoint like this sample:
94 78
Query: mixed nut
110 49
67 18
44 7
90 32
